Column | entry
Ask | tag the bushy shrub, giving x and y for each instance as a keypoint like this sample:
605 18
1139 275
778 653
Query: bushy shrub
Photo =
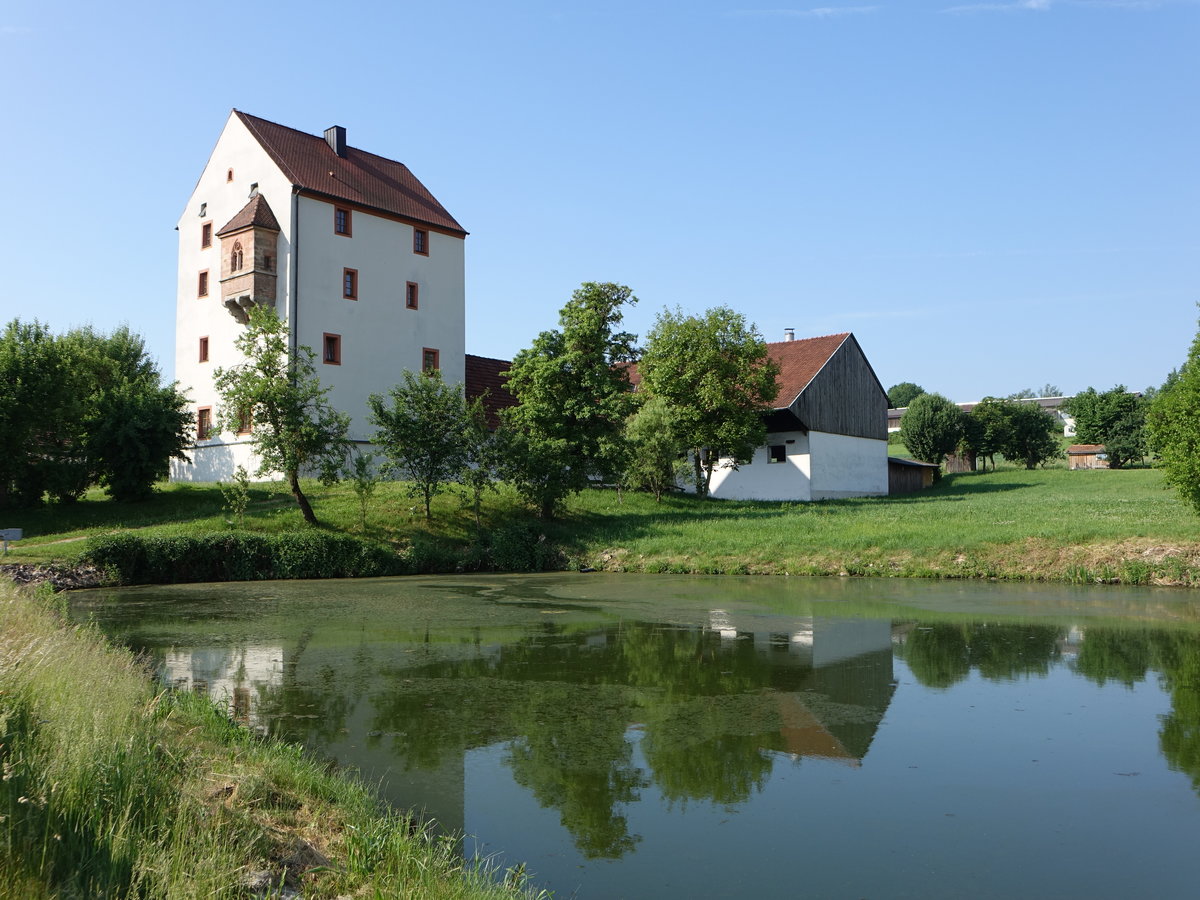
522 547
238 556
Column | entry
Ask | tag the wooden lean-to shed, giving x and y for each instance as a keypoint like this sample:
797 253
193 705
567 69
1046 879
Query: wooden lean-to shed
1087 456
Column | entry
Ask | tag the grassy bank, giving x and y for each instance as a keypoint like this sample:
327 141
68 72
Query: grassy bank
1047 524
110 789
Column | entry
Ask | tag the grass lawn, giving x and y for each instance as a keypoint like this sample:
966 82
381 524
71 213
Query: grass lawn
1045 524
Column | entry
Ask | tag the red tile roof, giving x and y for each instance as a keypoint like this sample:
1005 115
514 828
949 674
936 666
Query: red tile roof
485 378
800 361
257 212
358 177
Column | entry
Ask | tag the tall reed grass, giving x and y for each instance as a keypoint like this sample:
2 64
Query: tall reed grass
110 789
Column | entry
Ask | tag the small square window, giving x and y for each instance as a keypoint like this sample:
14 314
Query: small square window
206 235
350 284
331 352
203 349
204 423
429 360
410 295
342 223
421 241
777 453
202 286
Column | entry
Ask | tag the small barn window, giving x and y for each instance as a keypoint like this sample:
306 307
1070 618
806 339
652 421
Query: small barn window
777 453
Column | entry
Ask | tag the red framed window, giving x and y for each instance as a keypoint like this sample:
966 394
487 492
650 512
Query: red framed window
342 222
204 349
421 241
206 235
331 349
350 284
202 285
411 294
429 360
204 423
245 421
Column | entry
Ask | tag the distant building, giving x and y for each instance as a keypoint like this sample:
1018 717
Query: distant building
1087 456
1050 404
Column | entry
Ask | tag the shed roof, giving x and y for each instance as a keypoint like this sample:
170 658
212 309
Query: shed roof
359 177
1085 449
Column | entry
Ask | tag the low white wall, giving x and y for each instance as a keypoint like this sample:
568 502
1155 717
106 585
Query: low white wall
845 466
215 461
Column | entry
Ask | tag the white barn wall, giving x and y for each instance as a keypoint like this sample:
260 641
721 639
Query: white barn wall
762 480
847 466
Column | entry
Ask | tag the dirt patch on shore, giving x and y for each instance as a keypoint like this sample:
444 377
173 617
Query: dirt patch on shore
61 578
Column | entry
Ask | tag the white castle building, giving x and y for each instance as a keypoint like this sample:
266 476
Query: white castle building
359 259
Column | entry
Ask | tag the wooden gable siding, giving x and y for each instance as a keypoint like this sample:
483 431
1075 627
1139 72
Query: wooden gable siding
845 397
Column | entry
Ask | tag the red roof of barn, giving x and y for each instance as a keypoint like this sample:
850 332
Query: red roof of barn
800 361
485 378
358 177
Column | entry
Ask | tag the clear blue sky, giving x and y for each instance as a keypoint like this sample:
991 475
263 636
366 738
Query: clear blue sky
991 196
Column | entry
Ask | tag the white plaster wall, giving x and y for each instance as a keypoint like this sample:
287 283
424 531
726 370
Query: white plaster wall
380 336
844 466
761 480
207 316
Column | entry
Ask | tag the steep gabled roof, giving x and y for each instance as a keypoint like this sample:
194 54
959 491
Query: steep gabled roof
358 177
256 213
800 361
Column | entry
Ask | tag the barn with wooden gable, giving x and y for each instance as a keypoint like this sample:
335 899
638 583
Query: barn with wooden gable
826 437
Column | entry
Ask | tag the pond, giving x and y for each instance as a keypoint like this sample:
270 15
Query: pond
674 737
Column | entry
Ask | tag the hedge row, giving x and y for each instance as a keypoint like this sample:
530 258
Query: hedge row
250 556
239 556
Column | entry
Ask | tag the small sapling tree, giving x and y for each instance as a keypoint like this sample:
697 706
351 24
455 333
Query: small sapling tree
295 429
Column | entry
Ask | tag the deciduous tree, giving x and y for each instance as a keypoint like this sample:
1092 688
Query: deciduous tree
714 372
931 427
655 460
1174 425
1032 436
1115 418
902 394
295 429
573 398
423 428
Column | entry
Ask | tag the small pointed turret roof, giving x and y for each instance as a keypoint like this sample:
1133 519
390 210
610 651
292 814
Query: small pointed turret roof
257 214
